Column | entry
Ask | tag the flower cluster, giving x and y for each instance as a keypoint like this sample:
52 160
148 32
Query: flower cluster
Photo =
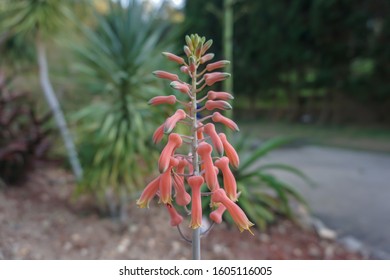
209 151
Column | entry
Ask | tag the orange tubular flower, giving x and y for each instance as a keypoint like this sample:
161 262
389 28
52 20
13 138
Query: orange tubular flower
170 123
204 151
216 215
217 65
176 218
212 78
209 129
182 197
218 104
174 142
174 57
239 217
158 134
166 75
170 99
217 117
214 95
196 183
230 151
229 182
148 193
166 182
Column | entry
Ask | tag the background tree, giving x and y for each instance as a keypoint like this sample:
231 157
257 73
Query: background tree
302 57
37 22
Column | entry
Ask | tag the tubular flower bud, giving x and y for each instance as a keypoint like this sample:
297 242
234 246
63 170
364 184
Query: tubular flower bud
170 99
182 197
229 182
206 58
174 142
204 151
171 122
196 183
216 65
184 69
180 87
158 134
176 218
189 42
148 193
212 78
213 95
206 46
174 57
187 51
166 75
192 64
165 185
239 217
230 151
216 215
218 104
217 117
209 129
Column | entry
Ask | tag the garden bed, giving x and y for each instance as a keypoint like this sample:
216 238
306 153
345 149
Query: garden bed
40 220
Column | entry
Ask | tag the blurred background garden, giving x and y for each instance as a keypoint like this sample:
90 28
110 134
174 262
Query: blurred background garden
311 80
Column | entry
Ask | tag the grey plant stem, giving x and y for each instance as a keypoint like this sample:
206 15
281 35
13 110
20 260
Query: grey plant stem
56 109
195 163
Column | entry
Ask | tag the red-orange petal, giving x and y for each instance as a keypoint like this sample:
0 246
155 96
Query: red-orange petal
174 57
176 218
174 142
204 151
230 151
148 193
171 122
195 183
229 182
209 129
158 134
219 95
217 117
238 215
216 215
170 99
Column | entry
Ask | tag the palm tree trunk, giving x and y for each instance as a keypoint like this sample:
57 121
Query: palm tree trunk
56 110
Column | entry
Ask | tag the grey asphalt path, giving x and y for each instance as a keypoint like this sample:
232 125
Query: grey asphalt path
352 195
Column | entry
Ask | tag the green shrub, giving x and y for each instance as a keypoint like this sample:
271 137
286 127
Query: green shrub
115 128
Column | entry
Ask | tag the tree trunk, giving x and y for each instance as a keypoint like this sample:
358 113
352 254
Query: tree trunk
56 110
228 24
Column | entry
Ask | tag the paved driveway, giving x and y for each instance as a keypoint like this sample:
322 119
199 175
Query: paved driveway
353 190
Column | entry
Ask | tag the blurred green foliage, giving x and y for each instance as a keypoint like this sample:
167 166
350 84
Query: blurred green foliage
292 50
115 128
